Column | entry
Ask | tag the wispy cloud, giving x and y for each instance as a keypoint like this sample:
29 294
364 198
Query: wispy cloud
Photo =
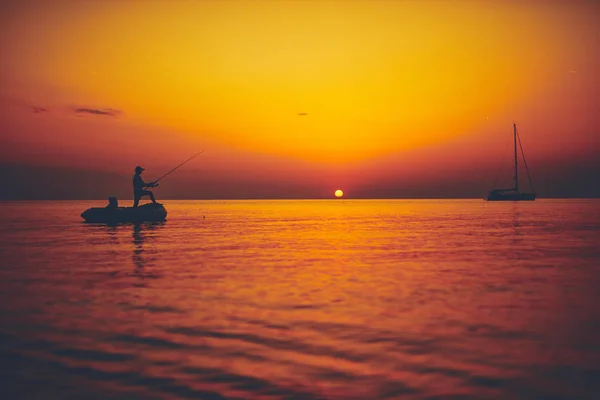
109 112
38 110
23 104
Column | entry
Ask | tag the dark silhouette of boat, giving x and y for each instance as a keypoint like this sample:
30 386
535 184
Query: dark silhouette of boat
113 214
151 212
513 194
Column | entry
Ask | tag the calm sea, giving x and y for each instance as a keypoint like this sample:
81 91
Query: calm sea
339 299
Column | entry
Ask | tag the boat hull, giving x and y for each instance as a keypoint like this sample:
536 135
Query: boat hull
514 196
152 212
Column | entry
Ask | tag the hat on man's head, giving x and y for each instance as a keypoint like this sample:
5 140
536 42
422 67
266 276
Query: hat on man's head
139 169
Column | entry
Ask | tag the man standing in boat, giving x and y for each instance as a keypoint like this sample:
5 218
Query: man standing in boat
139 187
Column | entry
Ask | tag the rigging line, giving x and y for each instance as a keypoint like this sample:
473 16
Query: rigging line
525 162
501 164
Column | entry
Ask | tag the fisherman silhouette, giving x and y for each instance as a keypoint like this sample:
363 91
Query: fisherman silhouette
139 185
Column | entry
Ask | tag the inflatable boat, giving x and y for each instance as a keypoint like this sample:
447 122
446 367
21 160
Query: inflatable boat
151 212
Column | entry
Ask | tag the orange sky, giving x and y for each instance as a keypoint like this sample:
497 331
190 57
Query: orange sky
394 90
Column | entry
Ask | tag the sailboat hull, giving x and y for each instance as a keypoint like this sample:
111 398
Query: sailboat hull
514 196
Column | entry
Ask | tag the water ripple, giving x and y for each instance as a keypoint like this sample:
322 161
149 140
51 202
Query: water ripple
303 300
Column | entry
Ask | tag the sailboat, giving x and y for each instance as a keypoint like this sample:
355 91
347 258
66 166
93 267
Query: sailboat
513 194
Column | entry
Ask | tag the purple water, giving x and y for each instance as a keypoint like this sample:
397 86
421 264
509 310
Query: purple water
340 299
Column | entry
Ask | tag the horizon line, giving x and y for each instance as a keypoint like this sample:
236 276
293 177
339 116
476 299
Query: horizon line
300 199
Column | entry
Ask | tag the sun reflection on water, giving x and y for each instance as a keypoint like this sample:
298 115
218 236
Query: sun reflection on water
358 299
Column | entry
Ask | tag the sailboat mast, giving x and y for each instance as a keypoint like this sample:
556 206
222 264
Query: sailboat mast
516 159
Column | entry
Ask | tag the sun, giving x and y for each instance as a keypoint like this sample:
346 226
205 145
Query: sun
339 193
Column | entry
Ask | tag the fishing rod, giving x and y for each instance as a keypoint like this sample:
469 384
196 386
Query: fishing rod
189 159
